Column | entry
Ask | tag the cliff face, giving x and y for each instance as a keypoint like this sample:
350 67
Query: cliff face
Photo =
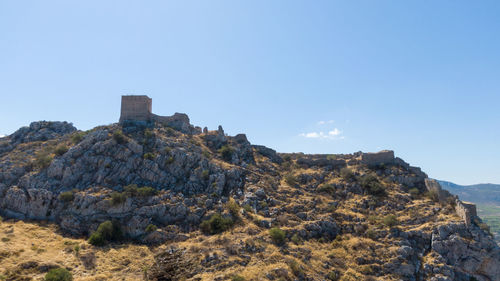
343 217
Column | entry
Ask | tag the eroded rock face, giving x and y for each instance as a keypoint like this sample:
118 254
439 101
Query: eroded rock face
469 250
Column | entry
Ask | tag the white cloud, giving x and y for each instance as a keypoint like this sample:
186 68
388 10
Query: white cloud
1 136
325 122
334 134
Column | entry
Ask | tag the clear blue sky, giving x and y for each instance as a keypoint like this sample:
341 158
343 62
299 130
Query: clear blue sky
418 77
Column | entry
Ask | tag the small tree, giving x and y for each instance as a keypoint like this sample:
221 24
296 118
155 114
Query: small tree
119 137
58 274
277 235
226 152
61 149
66 196
216 224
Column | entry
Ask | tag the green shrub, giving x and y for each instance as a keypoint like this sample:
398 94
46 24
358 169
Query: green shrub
287 158
247 208
296 239
277 235
327 188
237 277
119 137
146 191
66 196
77 137
414 192
118 198
371 233
43 159
132 190
149 156
333 276
58 274
233 208
331 157
226 152
148 133
291 180
107 231
169 160
347 174
206 153
61 149
295 268
216 224
372 185
151 228
390 220
205 175
96 239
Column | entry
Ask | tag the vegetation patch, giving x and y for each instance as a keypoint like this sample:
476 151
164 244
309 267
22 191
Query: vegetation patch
226 152
67 196
277 235
216 224
58 274
106 232
372 185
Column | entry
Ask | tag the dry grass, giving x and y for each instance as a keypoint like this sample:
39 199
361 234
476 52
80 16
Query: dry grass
23 242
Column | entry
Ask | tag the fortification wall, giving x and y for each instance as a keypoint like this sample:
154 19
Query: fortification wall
136 108
466 211
378 158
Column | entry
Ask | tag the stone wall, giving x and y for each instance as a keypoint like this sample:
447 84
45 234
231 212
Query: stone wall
466 211
137 108
377 158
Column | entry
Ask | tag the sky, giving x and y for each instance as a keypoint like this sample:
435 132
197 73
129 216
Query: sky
417 77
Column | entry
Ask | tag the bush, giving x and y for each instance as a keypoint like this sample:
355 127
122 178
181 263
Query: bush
390 220
216 224
414 192
149 156
96 239
327 188
119 137
347 174
248 208
43 159
77 137
58 274
295 268
372 185
291 180
205 175
66 196
61 149
226 152
237 278
132 190
148 133
371 233
233 208
296 239
151 228
107 231
169 160
277 235
118 198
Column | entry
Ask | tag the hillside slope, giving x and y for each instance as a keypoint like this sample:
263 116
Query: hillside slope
215 207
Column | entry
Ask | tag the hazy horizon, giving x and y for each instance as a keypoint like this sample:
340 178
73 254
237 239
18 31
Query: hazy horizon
325 77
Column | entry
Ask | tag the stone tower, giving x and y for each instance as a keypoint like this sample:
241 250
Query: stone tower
137 108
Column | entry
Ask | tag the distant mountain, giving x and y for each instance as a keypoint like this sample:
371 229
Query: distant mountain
483 193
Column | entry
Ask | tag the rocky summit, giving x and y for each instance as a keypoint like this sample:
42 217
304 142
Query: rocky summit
153 200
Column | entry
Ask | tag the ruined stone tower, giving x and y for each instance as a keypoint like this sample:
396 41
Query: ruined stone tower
136 108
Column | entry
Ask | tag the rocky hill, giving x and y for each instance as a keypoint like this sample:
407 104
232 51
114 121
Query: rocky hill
215 207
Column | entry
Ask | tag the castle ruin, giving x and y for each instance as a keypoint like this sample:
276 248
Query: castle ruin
138 108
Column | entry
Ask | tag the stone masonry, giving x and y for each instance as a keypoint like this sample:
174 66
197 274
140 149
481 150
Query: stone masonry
136 108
